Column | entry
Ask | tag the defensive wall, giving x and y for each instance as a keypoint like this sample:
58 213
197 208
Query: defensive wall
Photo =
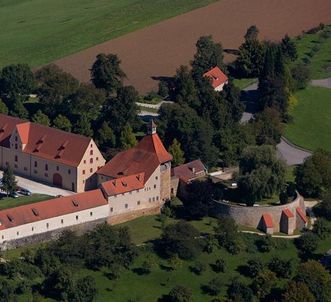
252 216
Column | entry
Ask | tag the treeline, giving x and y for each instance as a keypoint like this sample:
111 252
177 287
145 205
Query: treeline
105 109
52 270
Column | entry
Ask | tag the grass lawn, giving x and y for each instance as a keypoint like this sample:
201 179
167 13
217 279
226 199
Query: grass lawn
320 62
311 127
39 31
9 202
243 83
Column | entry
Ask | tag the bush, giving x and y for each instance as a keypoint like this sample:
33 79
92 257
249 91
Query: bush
307 243
265 244
219 266
213 287
321 228
254 267
239 292
282 268
198 268
301 76
180 294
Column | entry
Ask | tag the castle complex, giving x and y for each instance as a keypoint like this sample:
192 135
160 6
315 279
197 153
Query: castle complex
135 182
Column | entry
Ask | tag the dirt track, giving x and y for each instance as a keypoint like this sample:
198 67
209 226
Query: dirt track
158 50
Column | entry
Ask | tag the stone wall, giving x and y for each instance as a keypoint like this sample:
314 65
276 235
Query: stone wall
251 216
165 182
47 236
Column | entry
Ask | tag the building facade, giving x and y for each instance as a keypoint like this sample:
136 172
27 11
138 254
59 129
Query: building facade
49 155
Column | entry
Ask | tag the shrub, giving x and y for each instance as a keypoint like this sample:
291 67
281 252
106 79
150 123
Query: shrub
321 228
213 287
198 268
265 244
180 294
239 292
307 243
254 267
282 268
219 266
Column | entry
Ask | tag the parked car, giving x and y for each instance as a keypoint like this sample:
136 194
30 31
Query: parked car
14 195
24 191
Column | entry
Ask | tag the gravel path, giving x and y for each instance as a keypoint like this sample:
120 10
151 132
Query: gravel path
326 83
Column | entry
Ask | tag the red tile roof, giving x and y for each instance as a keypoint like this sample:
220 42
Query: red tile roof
288 213
145 157
189 171
301 214
7 125
217 76
123 184
51 208
267 219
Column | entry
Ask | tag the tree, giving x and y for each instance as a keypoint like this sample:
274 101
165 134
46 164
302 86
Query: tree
297 292
61 122
261 173
321 228
177 153
106 73
55 89
289 48
282 268
301 76
323 209
314 176
208 55
180 294
251 55
3 108
317 278
17 79
307 243
85 290
41 118
106 137
226 233
254 267
6 291
239 292
263 283
180 240
127 139
267 127
88 100
17 107
83 126
9 183
121 110
213 287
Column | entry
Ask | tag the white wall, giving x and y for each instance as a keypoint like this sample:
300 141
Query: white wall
54 223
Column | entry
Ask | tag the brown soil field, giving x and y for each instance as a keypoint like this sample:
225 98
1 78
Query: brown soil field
160 49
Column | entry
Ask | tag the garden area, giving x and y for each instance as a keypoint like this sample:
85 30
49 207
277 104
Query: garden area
7 202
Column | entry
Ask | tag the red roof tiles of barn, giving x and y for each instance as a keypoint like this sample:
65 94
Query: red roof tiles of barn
123 184
267 219
288 213
301 214
7 125
51 208
189 171
145 157
53 144
217 76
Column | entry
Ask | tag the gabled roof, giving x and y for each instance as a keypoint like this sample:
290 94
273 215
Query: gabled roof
7 125
288 213
189 171
301 214
143 158
267 220
123 184
51 208
53 144
217 76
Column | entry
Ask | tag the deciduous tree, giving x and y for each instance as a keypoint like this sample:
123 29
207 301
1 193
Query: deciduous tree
177 153
41 118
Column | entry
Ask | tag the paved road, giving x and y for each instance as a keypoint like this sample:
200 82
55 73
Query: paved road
154 106
36 187
291 154
322 83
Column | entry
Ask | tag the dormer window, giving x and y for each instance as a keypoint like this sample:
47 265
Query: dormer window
10 217
75 203
35 212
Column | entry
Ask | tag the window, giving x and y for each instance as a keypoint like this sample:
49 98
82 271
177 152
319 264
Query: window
91 145
35 171
111 209
47 225
97 159
16 158
91 160
83 172
157 197
17 233
126 205
76 217
46 174
83 181
153 198
91 170
156 177
138 202
154 186
91 213
69 171
15 138
3 237
32 229
16 146
46 167
57 168
91 152
35 164
84 161
61 221
137 191
149 199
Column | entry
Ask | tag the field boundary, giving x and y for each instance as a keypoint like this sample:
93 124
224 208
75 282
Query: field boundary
287 141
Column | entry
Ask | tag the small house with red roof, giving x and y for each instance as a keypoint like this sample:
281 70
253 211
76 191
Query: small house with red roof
267 224
287 222
49 155
218 78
